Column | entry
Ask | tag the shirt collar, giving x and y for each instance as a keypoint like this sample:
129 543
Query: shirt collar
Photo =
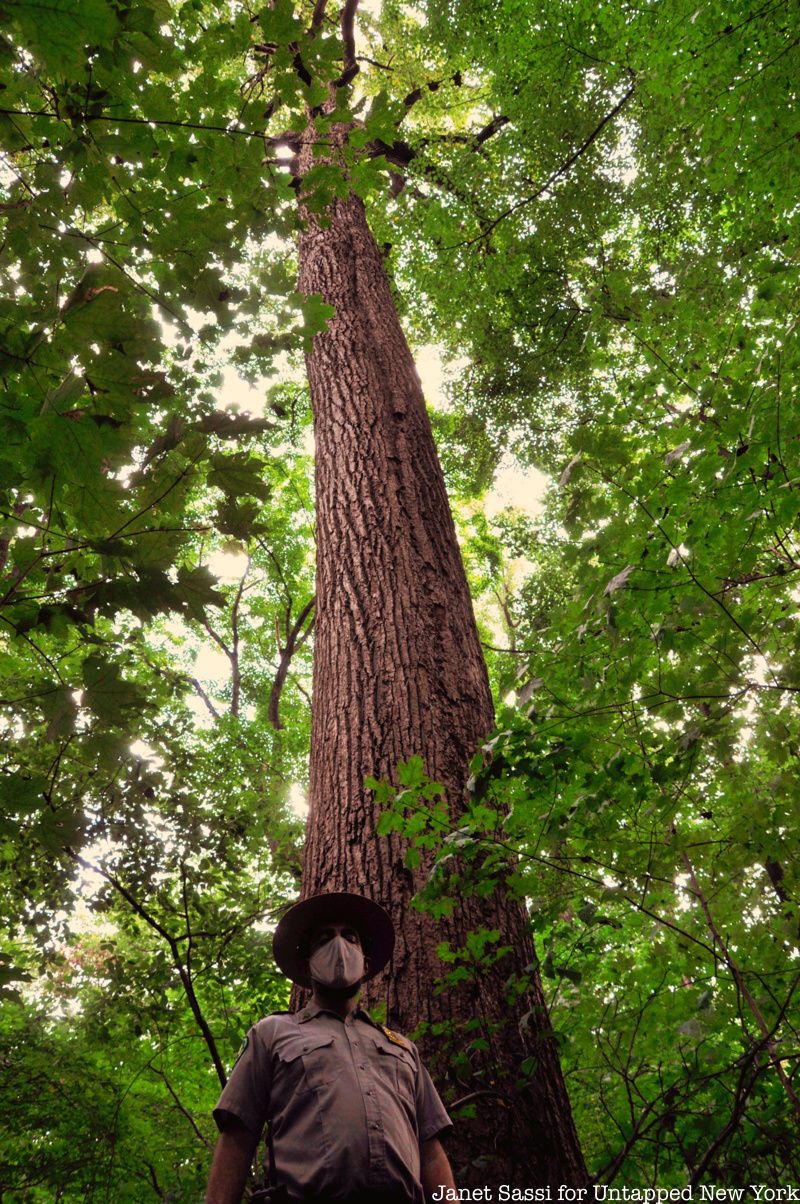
313 1009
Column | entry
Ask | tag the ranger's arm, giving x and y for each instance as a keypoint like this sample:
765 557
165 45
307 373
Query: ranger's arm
434 1168
233 1158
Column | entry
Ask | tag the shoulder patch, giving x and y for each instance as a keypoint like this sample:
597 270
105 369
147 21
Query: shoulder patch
244 1046
395 1038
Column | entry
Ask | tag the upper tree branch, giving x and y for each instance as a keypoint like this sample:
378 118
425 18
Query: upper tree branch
319 13
497 123
748 1077
432 85
400 153
218 640
176 675
351 67
363 58
236 671
551 179
201 693
295 637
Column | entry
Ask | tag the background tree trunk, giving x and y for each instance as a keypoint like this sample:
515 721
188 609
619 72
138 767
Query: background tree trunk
398 671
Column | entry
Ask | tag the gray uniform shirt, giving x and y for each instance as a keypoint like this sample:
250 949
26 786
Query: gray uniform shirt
347 1102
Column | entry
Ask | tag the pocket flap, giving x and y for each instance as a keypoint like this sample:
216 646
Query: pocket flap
294 1046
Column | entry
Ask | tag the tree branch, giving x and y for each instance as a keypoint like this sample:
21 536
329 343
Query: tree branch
294 640
551 179
351 67
363 58
510 651
218 640
319 13
176 675
738 978
236 672
201 694
743 1089
185 977
180 1106
154 1180
497 123
432 85
87 117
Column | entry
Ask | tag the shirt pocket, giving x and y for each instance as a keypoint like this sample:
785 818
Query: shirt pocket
395 1064
307 1061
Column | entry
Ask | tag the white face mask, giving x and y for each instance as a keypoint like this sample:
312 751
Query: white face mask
338 964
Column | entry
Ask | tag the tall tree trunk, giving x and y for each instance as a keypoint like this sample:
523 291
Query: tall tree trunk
398 671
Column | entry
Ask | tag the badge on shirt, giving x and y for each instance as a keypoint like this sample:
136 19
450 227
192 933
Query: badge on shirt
395 1038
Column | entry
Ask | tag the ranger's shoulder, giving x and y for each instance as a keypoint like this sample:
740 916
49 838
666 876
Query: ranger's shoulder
275 1022
397 1038
389 1034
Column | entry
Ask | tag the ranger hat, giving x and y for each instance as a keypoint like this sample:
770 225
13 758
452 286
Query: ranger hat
290 941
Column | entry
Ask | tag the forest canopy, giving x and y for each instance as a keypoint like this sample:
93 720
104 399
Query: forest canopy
589 217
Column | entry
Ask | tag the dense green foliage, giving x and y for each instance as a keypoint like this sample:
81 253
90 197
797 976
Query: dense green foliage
599 224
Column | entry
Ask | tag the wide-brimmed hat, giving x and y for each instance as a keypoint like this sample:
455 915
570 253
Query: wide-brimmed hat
290 941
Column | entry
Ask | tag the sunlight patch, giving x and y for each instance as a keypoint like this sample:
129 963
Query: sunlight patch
516 488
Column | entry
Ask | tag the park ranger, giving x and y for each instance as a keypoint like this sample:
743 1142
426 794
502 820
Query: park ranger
353 1115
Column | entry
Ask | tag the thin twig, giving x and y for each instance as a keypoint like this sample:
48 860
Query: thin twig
551 179
738 977
180 1106
152 122
172 943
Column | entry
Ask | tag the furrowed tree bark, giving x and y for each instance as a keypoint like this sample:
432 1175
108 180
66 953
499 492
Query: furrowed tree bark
398 671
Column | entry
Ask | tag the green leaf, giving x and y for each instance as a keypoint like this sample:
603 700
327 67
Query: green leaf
195 590
59 829
112 698
238 474
61 711
21 795
57 33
